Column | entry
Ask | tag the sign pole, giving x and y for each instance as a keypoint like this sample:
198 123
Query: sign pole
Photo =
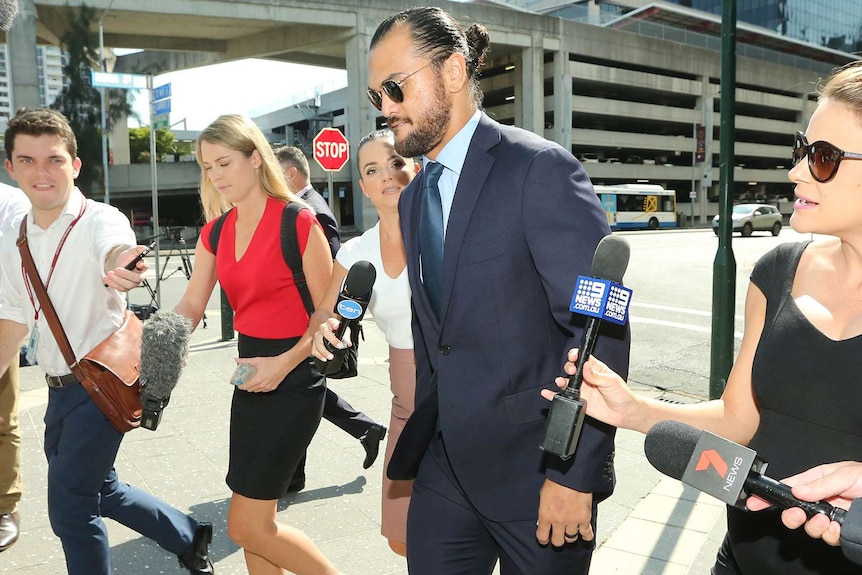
155 192
331 191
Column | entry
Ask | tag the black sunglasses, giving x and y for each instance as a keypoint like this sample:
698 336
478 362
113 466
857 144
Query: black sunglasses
392 89
823 157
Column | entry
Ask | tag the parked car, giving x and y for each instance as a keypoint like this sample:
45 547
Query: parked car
748 218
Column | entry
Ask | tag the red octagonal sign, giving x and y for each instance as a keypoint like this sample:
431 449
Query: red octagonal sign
331 149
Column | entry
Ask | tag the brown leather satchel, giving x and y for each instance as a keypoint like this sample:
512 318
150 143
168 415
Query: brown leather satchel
110 372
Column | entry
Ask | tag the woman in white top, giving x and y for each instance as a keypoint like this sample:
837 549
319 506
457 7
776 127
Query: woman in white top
382 175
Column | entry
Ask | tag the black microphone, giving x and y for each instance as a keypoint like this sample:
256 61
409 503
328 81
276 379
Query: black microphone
721 468
164 349
599 297
350 308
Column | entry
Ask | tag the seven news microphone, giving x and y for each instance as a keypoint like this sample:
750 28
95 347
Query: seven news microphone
350 308
721 468
600 297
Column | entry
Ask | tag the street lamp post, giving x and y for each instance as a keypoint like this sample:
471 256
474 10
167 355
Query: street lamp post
102 96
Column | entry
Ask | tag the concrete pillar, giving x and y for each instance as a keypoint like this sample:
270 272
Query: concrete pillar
21 54
562 99
531 100
361 118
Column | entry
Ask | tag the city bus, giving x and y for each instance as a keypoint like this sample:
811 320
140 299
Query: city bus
638 206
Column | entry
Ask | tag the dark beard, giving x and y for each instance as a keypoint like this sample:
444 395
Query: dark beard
429 131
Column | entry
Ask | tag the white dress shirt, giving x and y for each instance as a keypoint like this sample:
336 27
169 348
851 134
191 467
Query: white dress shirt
88 310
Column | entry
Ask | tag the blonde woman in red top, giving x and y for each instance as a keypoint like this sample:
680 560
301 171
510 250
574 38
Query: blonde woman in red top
275 411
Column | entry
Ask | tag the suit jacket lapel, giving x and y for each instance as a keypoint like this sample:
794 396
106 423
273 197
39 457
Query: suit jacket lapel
477 166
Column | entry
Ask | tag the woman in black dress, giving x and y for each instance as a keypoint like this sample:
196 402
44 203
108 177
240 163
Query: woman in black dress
278 402
793 394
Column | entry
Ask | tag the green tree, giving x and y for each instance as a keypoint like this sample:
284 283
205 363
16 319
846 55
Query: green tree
139 144
79 101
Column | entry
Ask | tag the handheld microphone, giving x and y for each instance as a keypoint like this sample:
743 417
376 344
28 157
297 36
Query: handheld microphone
721 468
164 349
599 297
350 308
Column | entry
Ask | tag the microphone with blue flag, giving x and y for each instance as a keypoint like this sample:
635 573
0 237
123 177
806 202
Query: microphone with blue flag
600 297
350 307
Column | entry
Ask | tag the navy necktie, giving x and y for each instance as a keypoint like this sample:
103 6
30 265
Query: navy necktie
431 235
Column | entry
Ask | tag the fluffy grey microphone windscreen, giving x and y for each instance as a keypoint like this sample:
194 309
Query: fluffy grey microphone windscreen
8 11
164 349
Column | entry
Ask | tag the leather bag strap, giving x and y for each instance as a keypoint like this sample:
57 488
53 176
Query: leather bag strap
42 295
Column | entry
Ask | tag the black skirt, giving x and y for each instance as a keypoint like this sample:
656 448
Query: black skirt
269 432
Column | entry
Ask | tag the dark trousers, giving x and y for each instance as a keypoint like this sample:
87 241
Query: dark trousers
83 487
471 544
340 413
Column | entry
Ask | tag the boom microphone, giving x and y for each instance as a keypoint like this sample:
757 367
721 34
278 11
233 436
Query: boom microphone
8 11
350 308
721 468
164 349
598 297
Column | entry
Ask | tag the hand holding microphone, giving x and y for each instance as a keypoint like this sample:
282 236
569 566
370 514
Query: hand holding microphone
350 308
733 473
164 349
721 468
840 483
599 297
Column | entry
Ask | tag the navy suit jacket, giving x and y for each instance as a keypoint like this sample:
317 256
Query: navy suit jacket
326 218
524 224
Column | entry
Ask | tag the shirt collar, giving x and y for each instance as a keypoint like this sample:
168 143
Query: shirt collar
302 193
454 153
69 213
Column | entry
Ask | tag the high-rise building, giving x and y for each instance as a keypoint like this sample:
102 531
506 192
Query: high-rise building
835 24
50 61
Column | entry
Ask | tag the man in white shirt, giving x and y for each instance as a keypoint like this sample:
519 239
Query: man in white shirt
80 248
13 205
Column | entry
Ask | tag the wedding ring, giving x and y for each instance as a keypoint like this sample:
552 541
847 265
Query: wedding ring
568 536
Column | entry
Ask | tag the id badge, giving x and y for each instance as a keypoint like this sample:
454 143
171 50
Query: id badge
30 356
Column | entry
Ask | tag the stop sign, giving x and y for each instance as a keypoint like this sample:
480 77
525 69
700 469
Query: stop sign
331 149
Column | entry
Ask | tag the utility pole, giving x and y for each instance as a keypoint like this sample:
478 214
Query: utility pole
724 265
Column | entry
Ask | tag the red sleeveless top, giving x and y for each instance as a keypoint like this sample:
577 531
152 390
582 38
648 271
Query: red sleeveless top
260 286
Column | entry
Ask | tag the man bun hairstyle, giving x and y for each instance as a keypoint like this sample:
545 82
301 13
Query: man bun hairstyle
434 31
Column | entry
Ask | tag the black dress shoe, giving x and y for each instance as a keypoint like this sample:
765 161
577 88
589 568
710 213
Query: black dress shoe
197 558
8 530
371 442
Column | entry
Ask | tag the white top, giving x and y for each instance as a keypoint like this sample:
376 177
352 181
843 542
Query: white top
88 310
390 298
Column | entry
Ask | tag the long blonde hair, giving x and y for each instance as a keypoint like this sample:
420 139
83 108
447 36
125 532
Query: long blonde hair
235 132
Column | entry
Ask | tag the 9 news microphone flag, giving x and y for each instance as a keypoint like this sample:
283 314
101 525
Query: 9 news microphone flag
600 297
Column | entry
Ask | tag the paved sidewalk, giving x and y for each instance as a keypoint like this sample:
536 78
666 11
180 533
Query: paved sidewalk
650 526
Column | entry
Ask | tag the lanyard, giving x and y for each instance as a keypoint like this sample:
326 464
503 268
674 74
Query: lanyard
53 262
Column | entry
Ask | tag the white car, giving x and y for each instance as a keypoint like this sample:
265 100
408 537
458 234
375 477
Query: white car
748 218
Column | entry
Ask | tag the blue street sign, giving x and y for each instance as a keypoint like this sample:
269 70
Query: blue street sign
162 107
162 92
114 80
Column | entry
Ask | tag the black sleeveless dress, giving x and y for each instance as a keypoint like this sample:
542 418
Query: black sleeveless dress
809 390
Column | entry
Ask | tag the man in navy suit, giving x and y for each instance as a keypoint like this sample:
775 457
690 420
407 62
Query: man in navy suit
491 322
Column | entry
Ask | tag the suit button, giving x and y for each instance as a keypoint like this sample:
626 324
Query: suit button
445 349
